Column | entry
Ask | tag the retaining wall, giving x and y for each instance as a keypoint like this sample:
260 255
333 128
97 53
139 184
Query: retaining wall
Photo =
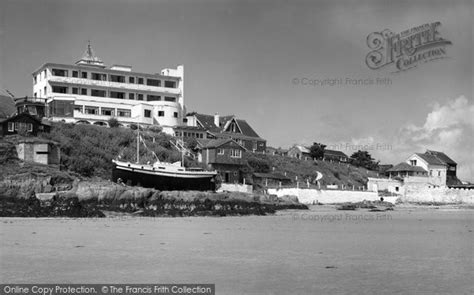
310 196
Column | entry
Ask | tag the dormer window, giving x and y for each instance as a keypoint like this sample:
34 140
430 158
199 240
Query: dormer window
413 162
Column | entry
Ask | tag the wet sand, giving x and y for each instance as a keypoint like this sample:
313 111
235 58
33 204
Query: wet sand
321 251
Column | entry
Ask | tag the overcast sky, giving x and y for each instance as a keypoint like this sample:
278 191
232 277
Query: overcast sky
241 57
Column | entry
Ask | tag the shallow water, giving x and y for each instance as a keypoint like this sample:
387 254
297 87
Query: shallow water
294 252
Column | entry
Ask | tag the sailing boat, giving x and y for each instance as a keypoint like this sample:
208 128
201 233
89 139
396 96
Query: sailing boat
163 175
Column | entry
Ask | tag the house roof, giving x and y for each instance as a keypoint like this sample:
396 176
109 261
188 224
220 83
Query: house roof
277 176
207 121
430 159
335 153
7 106
301 148
442 157
215 143
405 167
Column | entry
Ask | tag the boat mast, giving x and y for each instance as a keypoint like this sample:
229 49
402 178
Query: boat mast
182 150
138 143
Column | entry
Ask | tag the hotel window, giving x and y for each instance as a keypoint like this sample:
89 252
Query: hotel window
59 72
83 91
119 95
84 75
153 82
220 151
153 97
124 113
140 96
78 108
34 80
35 95
45 91
107 112
98 77
439 173
131 80
161 113
169 98
170 84
175 114
235 153
116 78
140 80
11 126
75 74
131 96
59 89
147 114
45 73
98 93
91 110
75 90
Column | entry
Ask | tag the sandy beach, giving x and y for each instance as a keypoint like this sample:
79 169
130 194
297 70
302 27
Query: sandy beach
320 251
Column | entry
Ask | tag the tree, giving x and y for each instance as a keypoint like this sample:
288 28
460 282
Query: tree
316 151
113 122
364 159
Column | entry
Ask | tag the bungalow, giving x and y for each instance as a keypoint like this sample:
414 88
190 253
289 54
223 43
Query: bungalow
299 152
224 155
23 122
225 127
335 155
404 170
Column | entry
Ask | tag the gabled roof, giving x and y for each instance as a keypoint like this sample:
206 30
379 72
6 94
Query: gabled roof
215 143
301 148
24 115
405 167
441 156
7 106
207 122
430 159
335 153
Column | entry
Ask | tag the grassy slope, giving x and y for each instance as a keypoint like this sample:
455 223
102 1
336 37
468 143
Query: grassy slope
333 173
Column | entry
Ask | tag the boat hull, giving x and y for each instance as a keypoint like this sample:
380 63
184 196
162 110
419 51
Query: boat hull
138 177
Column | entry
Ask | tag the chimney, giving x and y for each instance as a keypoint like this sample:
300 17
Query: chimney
216 119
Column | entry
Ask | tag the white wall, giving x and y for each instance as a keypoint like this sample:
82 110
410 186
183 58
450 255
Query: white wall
443 195
231 187
310 196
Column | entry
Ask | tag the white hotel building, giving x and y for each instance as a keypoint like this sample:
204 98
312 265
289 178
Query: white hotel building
88 92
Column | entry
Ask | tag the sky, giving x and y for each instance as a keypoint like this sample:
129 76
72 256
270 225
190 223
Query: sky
254 59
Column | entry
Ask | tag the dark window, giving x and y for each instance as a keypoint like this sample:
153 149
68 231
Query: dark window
175 114
78 108
161 113
169 98
59 89
84 75
140 96
98 77
59 72
75 74
114 94
116 78
124 113
140 80
62 108
91 110
170 84
153 97
75 90
98 93
148 113
107 112
131 80
131 96
153 82
83 91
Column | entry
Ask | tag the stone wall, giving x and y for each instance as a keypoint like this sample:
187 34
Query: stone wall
310 196
441 195
230 187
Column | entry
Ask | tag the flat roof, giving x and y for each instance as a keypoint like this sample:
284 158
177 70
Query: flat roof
106 70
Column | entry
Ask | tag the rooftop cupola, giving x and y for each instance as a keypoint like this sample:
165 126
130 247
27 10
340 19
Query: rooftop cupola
89 58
